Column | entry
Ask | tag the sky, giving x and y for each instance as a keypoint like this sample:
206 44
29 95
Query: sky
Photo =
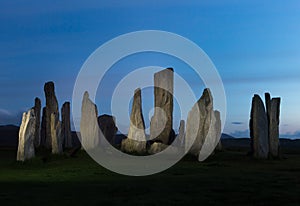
255 46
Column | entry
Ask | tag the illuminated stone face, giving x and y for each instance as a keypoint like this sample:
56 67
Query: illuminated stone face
199 122
56 139
136 141
162 121
26 136
89 127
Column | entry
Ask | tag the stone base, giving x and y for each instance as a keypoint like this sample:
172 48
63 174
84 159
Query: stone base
133 146
157 147
169 150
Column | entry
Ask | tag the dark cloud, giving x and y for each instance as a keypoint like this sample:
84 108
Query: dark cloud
237 123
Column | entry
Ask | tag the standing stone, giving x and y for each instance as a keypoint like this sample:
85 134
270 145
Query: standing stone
55 127
198 122
37 112
43 128
51 108
213 136
136 140
66 125
274 114
108 127
259 129
89 128
162 120
26 136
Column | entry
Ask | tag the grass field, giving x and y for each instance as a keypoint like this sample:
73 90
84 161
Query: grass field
227 178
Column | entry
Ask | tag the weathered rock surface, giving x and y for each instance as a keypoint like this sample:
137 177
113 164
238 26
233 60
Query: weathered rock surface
259 129
198 122
108 127
66 126
181 134
89 128
51 108
176 147
137 124
136 140
26 136
157 147
274 114
162 120
133 146
37 112
213 136
55 127
43 128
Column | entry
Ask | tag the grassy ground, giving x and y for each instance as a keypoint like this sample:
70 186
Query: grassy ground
227 178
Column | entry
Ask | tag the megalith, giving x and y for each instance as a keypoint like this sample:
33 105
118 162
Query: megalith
162 121
89 128
66 125
136 139
26 136
51 108
259 129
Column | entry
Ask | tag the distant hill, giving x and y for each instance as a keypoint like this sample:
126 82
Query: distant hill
226 136
9 135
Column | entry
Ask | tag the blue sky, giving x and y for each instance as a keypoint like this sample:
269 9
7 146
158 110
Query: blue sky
255 46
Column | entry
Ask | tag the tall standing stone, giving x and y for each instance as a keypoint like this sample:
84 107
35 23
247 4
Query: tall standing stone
259 129
162 120
37 112
51 108
26 136
274 114
55 127
136 141
198 122
107 124
89 128
66 125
